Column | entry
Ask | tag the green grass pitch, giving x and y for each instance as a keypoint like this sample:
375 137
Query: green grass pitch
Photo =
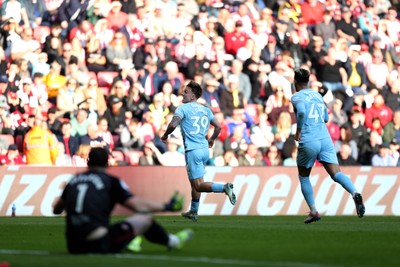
220 241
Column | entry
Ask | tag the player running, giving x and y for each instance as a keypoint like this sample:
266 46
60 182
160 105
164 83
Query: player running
194 120
316 143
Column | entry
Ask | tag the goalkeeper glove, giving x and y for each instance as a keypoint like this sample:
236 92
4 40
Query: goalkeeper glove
175 203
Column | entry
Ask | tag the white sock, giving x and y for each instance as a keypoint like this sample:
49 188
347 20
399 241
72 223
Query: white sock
173 241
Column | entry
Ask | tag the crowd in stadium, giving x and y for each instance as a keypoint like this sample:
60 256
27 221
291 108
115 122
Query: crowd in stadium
77 74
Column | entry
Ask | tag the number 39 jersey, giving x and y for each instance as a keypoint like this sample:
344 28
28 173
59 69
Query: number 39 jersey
311 104
195 122
89 199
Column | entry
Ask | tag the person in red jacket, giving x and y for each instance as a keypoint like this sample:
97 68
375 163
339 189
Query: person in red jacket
236 39
378 110
313 12
12 157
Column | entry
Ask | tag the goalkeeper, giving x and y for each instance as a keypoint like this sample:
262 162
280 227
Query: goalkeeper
89 199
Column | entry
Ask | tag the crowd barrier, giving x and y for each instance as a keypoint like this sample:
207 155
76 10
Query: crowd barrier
263 191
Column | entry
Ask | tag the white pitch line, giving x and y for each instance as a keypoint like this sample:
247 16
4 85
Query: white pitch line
176 259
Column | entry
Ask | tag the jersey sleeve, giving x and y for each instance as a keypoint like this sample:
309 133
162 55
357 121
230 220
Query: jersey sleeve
120 191
179 112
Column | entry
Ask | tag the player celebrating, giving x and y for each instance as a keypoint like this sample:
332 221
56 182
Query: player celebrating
194 120
316 143
89 198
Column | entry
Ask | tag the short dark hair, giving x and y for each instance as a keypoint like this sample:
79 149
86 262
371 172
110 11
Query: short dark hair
301 76
98 157
196 88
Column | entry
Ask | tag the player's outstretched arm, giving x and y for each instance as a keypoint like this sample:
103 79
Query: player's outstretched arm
58 206
171 127
143 205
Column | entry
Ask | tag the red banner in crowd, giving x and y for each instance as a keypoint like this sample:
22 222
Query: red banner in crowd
260 190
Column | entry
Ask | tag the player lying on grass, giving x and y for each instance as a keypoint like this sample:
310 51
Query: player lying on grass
315 142
194 120
89 199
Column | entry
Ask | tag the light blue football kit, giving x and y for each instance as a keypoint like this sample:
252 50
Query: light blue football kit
195 121
315 141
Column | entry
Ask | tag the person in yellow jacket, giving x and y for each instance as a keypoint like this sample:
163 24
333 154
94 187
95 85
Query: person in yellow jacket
40 146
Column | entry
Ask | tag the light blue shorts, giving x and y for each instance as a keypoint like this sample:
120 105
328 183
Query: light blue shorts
322 150
196 160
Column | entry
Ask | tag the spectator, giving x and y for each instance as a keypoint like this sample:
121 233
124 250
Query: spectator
149 158
16 10
392 96
385 157
333 128
369 148
151 78
271 52
291 161
131 136
273 157
211 94
231 98
12 157
252 67
282 76
332 74
244 80
228 159
339 115
40 145
235 39
327 29
358 130
344 155
103 132
118 52
378 110
93 138
54 81
95 56
368 21
115 115
72 13
69 98
378 71
71 143
357 76
312 11
236 141
277 103
125 74
62 159
347 28
55 32
391 131
94 98
81 121
198 63
119 90
346 136
261 133
81 156
68 54
252 157
172 157
283 129
137 101
53 123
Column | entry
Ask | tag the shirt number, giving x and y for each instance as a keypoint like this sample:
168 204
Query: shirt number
199 124
82 189
316 112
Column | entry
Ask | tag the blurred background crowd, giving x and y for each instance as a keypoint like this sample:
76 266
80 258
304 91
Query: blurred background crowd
76 74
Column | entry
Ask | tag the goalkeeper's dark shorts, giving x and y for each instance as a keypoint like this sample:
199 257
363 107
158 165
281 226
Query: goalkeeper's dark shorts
118 237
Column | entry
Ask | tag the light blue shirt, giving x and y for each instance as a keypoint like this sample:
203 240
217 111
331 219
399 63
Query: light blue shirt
195 122
311 115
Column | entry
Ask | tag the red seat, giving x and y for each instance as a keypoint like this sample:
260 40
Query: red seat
8 137
105 78
133 157
40 33
92 75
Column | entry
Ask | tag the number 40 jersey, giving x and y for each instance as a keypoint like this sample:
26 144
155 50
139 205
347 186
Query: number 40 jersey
195 122
311 115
